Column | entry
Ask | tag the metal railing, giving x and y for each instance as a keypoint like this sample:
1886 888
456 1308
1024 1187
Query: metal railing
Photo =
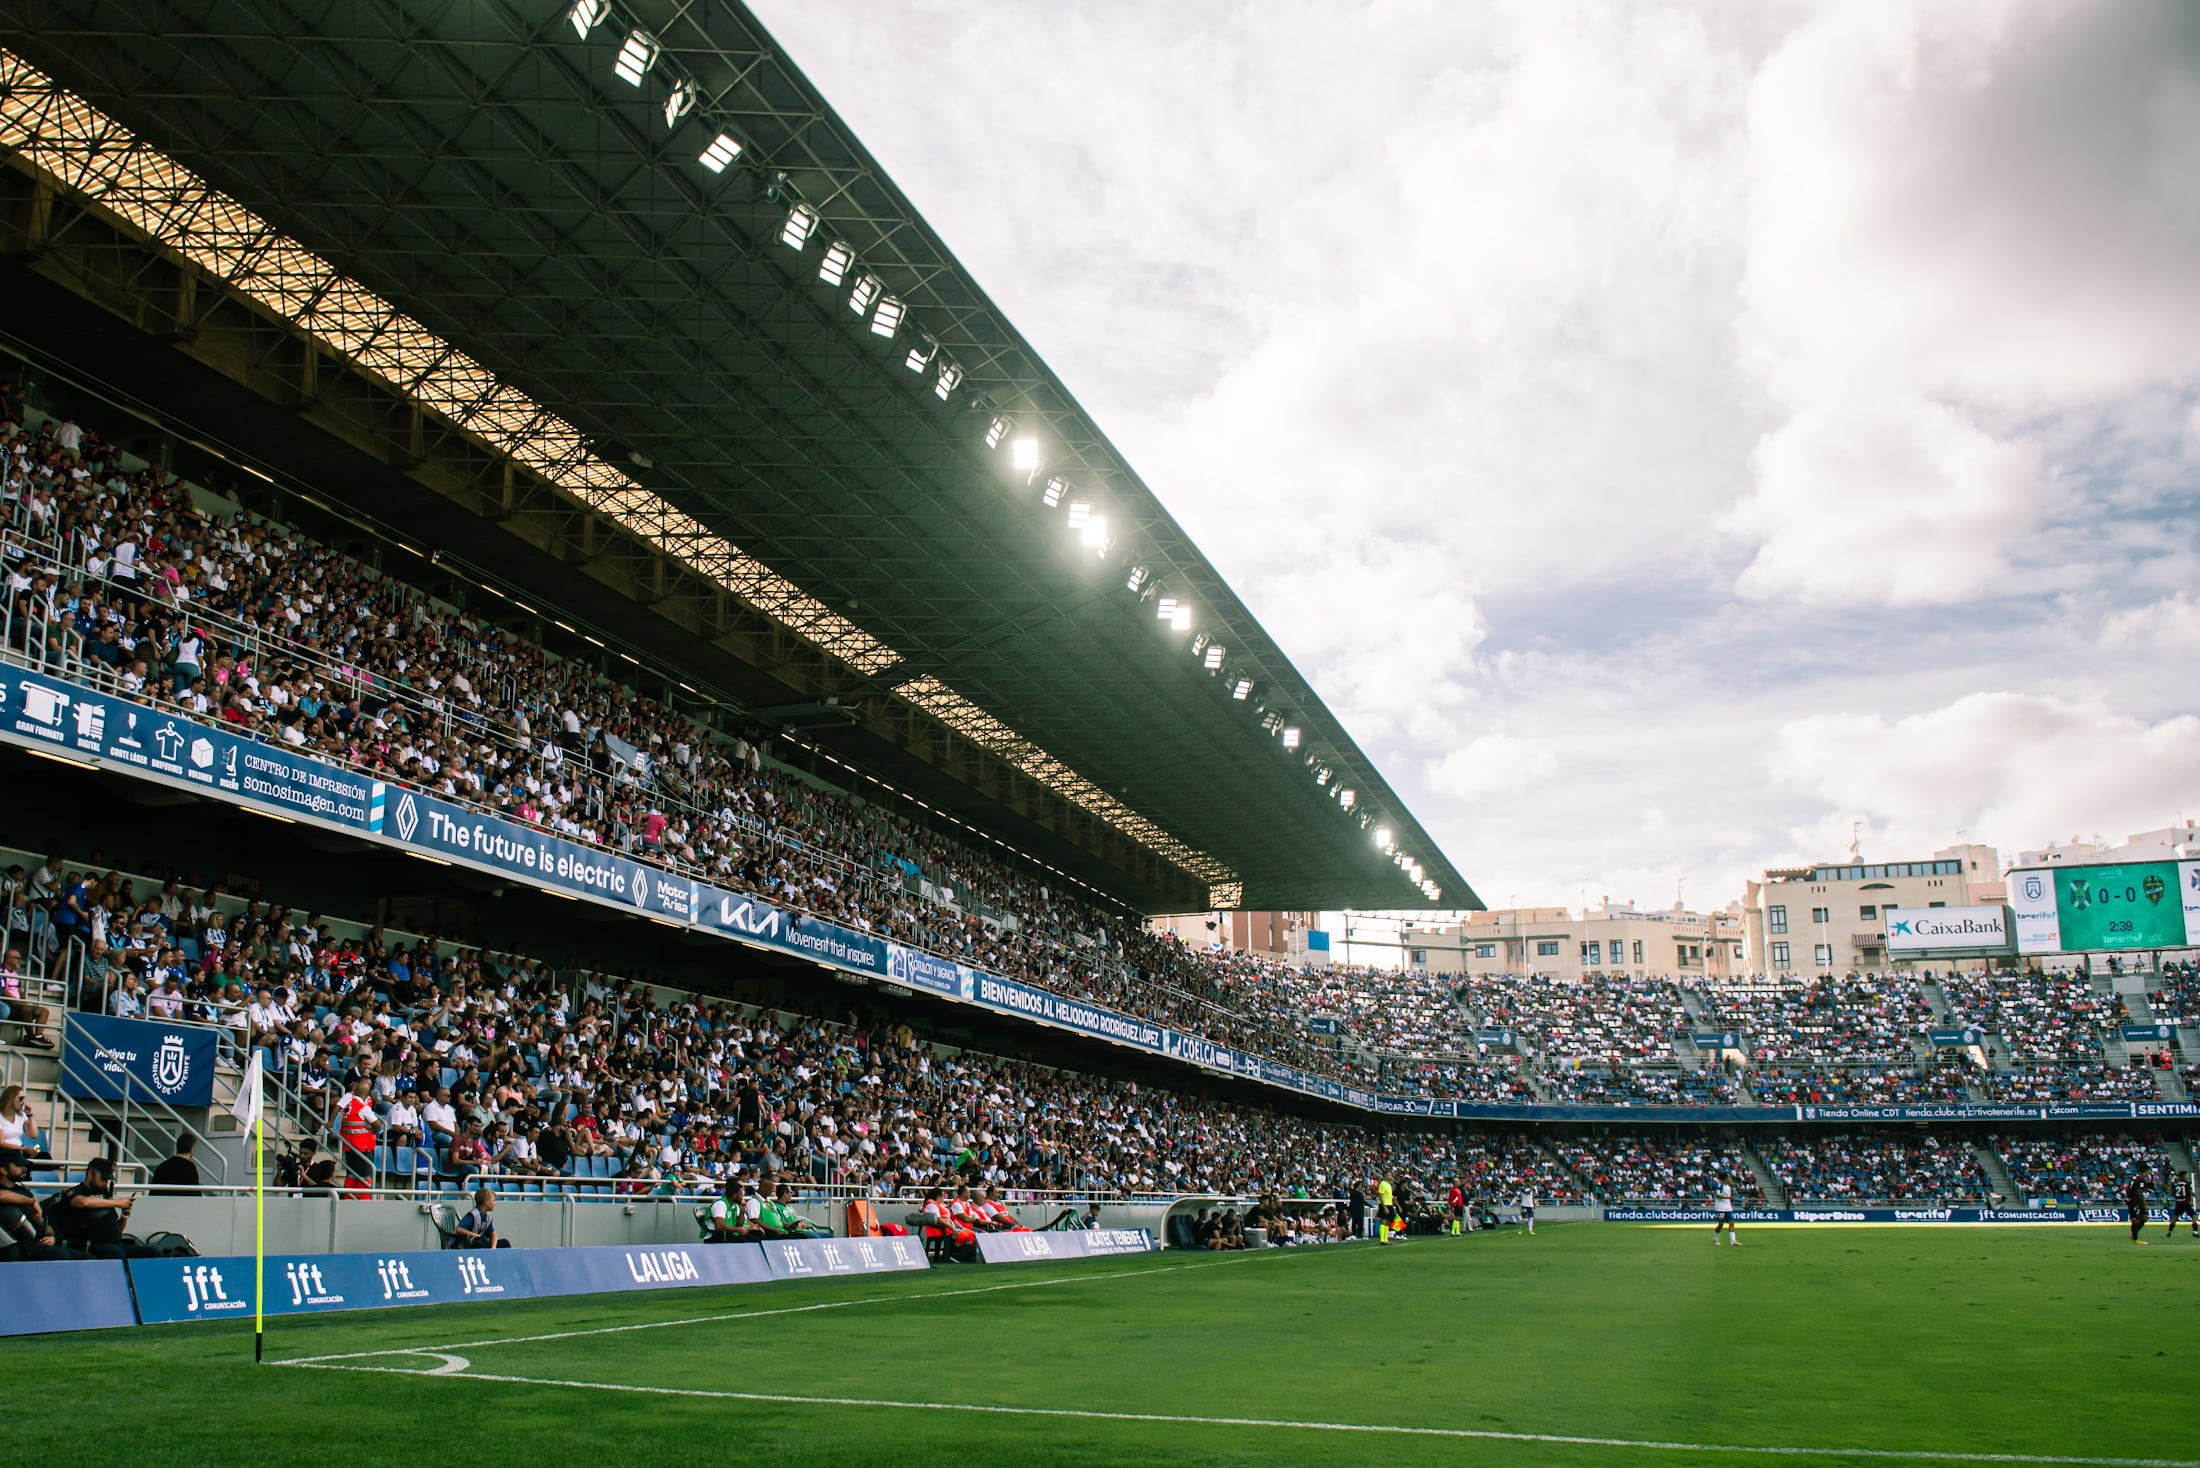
137 1109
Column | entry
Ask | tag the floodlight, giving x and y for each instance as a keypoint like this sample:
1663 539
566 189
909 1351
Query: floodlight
1182 621
1199 643
1136 579
920 356
1095 533
1165 608
1056 487
1214 656
1346 798
1027 453
1322 779
723 150
585 15
635 58
997 430
833 268
1291 736
801 220
951 377
1079 512
868 289
1243 691
679 102
1382 837
886 320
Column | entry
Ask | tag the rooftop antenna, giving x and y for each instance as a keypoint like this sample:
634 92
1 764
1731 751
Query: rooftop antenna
1856 841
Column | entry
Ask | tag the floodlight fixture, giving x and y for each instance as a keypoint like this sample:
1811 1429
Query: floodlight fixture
950 378
586 15
997 430
1165 608
1136 579
1348 798
886 320
723 150
868 289
635 57
1095 533
1054 491
1243 690
1382 837
1291 736
1214 656
832 268
1027 454
1079 512
1322 779
921 355
679 102
1182 621
801 221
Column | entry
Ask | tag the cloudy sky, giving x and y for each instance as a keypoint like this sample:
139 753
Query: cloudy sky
1666 434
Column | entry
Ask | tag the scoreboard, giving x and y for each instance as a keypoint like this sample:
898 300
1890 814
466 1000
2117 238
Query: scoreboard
2090 909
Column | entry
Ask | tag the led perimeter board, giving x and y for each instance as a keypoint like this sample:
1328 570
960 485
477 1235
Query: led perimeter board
2091 909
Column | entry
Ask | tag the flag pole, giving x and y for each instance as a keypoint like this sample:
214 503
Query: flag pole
259 1228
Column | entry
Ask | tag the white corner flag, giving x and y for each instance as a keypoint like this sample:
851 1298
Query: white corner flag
247 1110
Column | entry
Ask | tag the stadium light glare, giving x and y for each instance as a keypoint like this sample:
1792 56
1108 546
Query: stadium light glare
1054 491
1290 736
1243 691
997 430
868 289
1165 608
1027 453
886 320
832 267
635 57
1182 621
586 15
1079 512
723 150
801 220
951 378
1382 837
1214 656
679 102
1095 533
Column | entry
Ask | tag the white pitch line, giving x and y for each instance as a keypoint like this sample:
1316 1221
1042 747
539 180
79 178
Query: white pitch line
1907 1455
564 1335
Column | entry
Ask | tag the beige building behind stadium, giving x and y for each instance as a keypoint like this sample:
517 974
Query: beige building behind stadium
1611 939
1832 918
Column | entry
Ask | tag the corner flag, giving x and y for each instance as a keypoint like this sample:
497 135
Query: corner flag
247 1110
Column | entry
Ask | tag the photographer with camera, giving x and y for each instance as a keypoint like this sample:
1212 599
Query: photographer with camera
90 1218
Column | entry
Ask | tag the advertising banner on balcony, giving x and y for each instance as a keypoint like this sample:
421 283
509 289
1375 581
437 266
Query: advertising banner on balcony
110 1059
78 723
451 832
1071 1014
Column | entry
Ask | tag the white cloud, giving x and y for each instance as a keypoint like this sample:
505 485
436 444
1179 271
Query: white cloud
1492 762
2166 628
1900 503
1590 383
2010 769
1959 214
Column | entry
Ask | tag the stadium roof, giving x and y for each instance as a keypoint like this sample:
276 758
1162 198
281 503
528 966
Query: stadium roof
650 264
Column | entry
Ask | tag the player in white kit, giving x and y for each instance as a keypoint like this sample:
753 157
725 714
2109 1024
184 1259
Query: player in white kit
1722 1214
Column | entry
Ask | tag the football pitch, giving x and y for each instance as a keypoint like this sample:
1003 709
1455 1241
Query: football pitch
1586 1344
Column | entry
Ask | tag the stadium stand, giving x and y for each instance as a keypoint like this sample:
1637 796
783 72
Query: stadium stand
1646 1169
2084 1166
1855 1168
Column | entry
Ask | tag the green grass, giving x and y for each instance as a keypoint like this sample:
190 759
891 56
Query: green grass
1932 1340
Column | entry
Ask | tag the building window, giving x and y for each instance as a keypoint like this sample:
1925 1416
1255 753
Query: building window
1592 952
1638 950
1776 919
1821 914
1546 948
1485 950
1737 952
1420 957
1867 912
1779 955
1824 955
